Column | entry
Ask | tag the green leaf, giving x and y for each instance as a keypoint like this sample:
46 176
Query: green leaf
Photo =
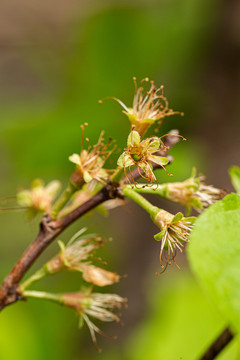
178 312
234 173
214 255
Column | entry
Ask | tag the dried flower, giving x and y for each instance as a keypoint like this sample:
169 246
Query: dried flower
175 231
148 106
208 194
194 193
96 305
140 154
39 198
75 257
89 164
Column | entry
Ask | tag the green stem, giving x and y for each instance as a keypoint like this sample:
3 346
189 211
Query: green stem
40 274
118 175
64 198
140 200
161 190
43 295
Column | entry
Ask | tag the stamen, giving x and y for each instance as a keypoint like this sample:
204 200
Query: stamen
82 138
177 135
114 98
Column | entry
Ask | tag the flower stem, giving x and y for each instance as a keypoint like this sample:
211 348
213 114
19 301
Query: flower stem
43 295
40 274
64 198
118 175
161 190
140 200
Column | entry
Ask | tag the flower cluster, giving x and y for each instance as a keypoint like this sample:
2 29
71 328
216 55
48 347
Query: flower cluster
140 154
39 198
89 179
78 255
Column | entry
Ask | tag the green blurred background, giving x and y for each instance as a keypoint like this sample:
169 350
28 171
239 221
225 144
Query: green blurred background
57 60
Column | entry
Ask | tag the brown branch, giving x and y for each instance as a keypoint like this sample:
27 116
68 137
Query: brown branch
50 229
218 345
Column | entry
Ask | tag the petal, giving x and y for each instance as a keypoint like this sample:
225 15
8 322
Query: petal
147 170
75 158
132 118
190 219
125 160
24 198
87 177
37 183
177 217
53 188
134 138
102 173
142 165
149 120
160 160
193 172
196 203
160 235
120 161
151 144
61 245
98 276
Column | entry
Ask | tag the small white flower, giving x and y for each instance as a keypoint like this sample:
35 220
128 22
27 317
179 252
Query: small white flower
75 256
89 163
148 106
96 305
39 198
194 193
208 194
175 231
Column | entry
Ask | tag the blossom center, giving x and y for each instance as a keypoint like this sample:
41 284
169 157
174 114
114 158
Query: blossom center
136 157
